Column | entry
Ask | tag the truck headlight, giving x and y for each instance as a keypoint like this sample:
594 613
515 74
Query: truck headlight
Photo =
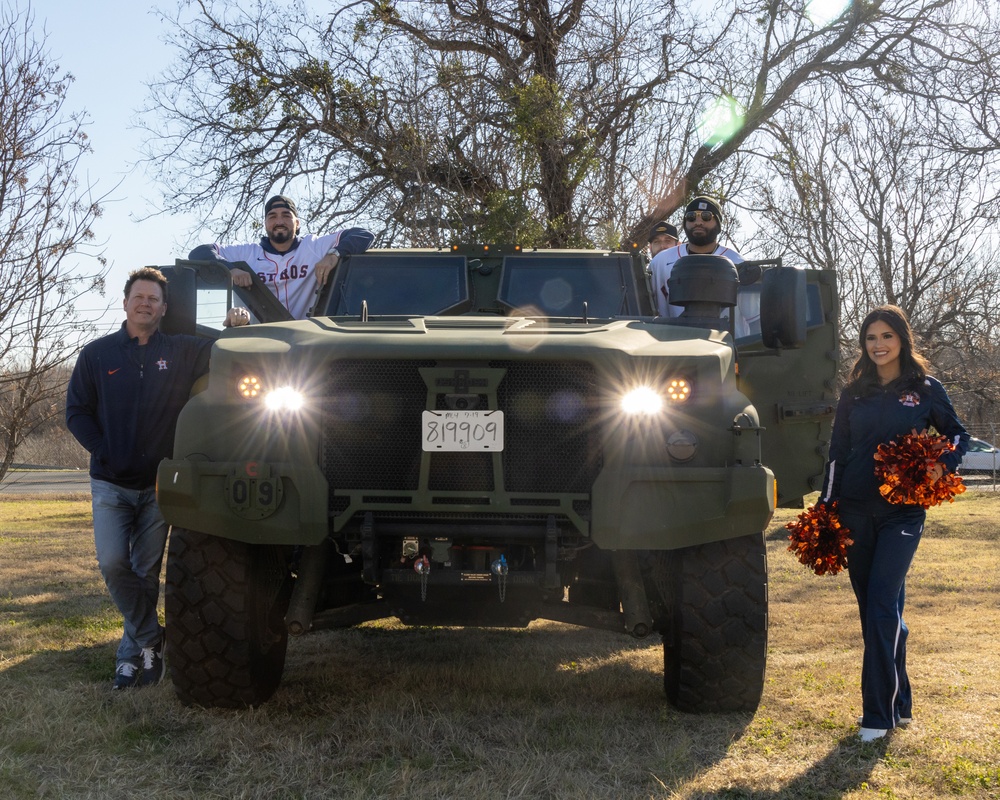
647 400
642 400
284 398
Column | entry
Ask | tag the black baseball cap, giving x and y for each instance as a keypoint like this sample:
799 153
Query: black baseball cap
663 227
280 201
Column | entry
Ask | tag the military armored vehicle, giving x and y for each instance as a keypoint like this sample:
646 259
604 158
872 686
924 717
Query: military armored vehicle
487 436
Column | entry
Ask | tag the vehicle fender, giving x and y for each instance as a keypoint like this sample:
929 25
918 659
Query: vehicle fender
194 495
664 508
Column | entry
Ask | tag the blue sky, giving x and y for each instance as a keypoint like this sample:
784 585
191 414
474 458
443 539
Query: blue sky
113 48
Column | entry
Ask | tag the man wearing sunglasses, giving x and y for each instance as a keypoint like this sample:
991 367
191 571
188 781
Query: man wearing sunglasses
702 226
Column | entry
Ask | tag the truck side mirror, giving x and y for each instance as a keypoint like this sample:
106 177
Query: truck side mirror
783 308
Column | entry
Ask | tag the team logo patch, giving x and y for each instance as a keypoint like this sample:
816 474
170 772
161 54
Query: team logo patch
162 364
909 399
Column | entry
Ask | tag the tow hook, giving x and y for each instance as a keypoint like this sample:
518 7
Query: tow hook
422 566
499 569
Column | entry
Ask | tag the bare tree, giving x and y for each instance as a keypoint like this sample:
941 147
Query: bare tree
463 126
45 227
871 185
546 122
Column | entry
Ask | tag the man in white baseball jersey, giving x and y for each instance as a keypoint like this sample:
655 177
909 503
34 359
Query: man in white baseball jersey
702 226
293 267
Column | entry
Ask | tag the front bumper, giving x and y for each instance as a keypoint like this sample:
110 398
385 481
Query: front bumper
630 509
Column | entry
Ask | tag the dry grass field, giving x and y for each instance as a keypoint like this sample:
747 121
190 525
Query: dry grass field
548 712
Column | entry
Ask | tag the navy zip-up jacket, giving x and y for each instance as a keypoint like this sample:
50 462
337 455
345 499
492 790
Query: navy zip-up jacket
864 421
123 401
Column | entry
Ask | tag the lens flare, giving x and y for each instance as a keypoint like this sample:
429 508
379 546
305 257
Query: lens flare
721 121
642 400
823 12
284 398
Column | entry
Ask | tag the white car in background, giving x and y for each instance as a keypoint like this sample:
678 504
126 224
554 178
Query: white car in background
980 457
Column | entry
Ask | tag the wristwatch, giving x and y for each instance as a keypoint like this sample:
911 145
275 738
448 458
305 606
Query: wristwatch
333 251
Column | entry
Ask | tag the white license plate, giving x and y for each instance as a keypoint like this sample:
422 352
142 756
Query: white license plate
469 431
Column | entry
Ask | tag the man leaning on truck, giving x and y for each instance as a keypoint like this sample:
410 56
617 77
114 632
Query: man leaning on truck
291 265
124 397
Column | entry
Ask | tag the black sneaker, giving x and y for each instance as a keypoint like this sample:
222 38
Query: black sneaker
126 676
153 665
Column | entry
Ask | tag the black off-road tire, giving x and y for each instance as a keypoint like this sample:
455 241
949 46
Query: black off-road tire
225 608
715 649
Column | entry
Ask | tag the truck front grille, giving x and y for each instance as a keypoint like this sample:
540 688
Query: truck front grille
551 426
372 430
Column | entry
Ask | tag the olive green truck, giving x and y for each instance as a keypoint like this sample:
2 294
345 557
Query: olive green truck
487 436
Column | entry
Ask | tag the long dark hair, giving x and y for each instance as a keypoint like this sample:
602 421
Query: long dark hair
913 366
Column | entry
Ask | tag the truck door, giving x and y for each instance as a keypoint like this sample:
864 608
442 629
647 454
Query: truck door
794 391
201 294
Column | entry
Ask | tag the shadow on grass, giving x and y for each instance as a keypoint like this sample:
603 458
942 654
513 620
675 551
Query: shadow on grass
846 768
59 669
558 711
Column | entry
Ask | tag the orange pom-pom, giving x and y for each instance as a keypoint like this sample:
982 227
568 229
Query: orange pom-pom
904 466
819 540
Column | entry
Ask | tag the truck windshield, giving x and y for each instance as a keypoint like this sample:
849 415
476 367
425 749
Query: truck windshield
559 286
424 285
443 284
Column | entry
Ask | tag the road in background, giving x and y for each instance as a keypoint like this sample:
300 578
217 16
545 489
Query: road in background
63 481
44 481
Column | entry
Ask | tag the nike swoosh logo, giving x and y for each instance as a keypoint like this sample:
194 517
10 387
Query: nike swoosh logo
113 371
904 533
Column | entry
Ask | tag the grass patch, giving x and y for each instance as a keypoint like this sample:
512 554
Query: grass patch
39 514
548 712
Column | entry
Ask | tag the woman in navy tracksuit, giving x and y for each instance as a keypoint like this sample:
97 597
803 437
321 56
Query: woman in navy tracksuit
889 394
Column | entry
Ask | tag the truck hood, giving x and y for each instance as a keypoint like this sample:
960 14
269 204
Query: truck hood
475 337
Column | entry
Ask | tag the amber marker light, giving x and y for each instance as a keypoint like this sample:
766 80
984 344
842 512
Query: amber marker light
249 387
678 390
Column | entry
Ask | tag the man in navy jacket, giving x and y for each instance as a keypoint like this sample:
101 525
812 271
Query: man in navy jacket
122 405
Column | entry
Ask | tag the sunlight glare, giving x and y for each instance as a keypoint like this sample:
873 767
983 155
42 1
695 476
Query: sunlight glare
823 12
721 121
